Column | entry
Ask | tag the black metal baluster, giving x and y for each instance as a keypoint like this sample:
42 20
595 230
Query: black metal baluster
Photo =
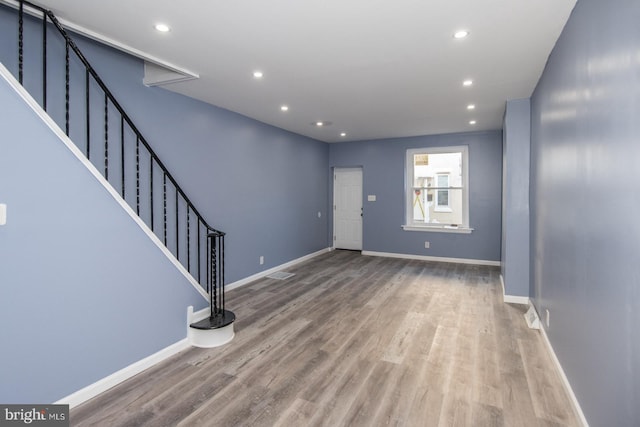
177 239
164 201
20 41
66 89
214 275
188 239
122 154
199 257
44 61
138 175
88 112
151 188
222 271
106 137
207 267
215 244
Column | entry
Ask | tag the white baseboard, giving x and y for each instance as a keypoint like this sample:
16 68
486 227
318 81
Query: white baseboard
124 374
565 380
433 258
264 273
513 299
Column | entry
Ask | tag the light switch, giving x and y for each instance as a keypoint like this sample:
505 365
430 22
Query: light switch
371 197
3 214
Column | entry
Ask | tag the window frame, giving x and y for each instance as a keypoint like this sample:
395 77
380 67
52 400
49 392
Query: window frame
437 207
409 224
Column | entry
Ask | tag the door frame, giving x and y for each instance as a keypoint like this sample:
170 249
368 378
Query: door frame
336 170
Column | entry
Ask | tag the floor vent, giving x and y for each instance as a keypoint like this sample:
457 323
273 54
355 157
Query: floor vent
531 316
280 275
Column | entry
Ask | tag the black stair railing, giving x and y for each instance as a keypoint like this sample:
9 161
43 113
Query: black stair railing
124 156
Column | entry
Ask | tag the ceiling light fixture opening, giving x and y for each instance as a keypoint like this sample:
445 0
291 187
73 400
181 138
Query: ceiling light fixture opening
343 134
467 82
321 123
460 34
163 28
471 107
258 74
472 122
284 108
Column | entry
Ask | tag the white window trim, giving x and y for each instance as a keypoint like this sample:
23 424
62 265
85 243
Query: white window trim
409 178
436 228
436 206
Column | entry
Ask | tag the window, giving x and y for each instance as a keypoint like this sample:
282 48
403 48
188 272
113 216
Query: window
437 189
442 193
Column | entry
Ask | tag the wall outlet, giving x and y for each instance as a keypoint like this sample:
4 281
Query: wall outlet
546 316
261 259
427 245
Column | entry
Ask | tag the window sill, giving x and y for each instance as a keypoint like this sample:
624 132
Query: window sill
438 229
442 209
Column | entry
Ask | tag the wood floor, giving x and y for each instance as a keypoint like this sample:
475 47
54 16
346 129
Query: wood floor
352 340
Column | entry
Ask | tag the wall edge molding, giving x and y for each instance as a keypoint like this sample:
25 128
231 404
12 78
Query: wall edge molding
433 258
565 381
513 299
264 273
122 375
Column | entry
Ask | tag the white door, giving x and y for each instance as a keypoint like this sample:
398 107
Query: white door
347 208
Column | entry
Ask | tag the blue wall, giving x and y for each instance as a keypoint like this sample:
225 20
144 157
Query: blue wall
81 284
515 197
383 164
84 291
263 186
585 191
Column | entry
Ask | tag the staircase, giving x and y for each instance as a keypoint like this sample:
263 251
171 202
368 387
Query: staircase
86 110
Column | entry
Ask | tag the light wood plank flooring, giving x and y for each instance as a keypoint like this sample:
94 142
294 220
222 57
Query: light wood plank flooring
352 340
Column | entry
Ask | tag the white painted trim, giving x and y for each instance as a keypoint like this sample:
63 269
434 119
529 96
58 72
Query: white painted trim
28 99
207 338
512 299
334 202
438 229
565 380
433 258
197 316
188 75
124 374
264 273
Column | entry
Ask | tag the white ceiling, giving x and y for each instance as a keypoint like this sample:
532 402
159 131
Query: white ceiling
374 68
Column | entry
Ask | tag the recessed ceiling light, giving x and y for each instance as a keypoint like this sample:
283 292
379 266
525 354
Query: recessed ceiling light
471 107
257 74
319 123
343 134
467 82
163 28
284 107
472 122
461 34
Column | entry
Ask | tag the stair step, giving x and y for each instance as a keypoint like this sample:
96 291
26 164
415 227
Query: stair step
217 321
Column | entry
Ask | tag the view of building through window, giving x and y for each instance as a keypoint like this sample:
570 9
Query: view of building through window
437 192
